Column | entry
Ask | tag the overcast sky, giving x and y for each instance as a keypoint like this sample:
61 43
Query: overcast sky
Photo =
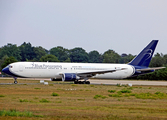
126 26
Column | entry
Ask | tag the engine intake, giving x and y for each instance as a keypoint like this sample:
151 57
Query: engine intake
70 77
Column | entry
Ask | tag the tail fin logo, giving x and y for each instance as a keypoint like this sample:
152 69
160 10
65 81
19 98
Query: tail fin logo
144 57
148 53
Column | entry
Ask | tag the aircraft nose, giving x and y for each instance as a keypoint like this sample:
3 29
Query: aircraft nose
6 70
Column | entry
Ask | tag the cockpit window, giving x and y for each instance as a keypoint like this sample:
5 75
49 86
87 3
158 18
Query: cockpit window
9 66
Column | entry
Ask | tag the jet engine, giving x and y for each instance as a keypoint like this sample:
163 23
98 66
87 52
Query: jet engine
70 77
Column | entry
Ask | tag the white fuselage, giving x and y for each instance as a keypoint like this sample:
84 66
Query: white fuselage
55 69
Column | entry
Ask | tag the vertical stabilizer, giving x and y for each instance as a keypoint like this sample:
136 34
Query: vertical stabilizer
144 57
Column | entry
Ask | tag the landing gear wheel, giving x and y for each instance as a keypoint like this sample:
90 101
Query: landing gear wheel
75 82
15 82
81 82
87 82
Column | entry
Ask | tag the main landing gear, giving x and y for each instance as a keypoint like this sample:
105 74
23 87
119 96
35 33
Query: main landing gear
15 80
81 82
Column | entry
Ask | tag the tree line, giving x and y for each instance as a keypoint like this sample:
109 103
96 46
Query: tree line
26 52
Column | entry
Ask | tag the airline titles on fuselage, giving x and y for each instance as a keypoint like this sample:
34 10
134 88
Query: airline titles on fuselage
44 66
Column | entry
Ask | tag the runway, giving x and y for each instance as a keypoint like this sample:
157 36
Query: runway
99 82
125 82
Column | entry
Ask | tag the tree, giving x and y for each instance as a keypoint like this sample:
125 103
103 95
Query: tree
78 55
27 51
94 57
39 52
49 58
68 60
125 58
157 60
111 56
2 61
165 59
10 50
61 53
8 60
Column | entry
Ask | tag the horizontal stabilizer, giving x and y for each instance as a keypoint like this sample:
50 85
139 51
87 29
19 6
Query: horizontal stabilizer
149 69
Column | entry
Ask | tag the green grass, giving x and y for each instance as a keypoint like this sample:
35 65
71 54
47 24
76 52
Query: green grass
112 91
115 95
55 94
51 85
130 88
157 95
88 102
58 101
145 96
124 91
99 96
24 100
81 99
37 88
14 112
44 101
2 95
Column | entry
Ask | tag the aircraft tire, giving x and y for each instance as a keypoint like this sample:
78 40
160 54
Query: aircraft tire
81 82
87 82
15 82
75 82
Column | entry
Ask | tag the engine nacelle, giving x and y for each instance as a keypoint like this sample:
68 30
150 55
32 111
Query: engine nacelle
70 77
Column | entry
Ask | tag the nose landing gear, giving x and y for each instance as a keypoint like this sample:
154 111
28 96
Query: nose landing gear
15 80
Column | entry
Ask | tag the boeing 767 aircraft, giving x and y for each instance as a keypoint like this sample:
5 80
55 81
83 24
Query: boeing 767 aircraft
83 71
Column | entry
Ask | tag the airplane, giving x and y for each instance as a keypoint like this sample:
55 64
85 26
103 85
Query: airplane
81 72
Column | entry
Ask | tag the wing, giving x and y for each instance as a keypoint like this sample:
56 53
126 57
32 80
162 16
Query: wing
93 73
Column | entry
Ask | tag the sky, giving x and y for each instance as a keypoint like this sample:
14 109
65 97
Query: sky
125 26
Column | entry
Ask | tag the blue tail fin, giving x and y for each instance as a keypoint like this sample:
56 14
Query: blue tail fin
144 57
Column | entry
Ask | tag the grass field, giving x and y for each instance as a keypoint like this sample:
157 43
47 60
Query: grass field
70 101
